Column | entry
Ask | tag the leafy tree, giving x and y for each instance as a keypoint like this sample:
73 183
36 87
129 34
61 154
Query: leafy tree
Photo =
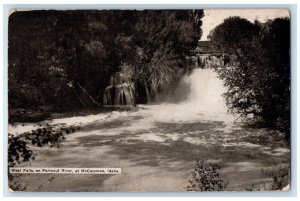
258 76
64 59
234 35
160 41
50 50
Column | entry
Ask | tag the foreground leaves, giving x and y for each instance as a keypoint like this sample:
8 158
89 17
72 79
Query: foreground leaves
206 177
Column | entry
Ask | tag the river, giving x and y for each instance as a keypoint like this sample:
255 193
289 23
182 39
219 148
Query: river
156 145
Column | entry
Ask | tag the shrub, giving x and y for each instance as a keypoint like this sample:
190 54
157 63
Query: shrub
19 150
258 74
206 177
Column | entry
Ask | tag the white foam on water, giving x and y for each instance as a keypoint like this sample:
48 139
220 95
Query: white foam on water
148 137
195 141
204 100
201 100
19 128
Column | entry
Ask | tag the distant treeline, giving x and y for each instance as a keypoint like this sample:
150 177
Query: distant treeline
258 77
65 59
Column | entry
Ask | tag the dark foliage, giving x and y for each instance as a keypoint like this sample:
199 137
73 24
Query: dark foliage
44 136
26 115
65 59
206 177
18 150
258 76
19 147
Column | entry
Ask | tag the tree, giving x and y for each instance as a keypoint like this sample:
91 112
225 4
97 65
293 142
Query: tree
234 35
50 50
62 55
160 42
258 76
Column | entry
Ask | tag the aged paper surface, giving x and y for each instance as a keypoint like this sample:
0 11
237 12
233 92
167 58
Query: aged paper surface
149 100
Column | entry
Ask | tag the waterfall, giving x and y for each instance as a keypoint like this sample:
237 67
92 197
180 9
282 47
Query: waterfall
199 96
205 91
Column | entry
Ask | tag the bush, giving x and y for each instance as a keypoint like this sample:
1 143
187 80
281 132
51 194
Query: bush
206 177
258 75
19 150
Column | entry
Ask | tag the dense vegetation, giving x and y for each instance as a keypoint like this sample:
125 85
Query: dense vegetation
258 76
60 60
206 177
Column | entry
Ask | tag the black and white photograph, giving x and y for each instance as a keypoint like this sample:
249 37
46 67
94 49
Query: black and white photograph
149 100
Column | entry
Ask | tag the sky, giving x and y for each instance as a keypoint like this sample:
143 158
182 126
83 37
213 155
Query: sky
214 17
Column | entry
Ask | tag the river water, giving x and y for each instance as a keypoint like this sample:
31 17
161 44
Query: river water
156 145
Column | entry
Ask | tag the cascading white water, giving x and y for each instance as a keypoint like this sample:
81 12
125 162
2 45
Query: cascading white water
199 97
206 92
